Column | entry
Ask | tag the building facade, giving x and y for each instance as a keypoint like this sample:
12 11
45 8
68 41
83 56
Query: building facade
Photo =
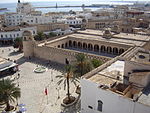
7 35
119 86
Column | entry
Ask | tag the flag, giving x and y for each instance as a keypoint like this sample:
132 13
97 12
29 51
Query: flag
46 92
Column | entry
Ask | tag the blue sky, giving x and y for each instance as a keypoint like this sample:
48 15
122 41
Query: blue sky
12 1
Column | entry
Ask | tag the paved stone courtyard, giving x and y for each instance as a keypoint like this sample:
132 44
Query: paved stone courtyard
33 84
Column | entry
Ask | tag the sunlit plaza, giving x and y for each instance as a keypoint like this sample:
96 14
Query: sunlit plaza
33 84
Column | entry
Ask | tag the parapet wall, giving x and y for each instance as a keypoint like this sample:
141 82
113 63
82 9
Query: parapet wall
59 55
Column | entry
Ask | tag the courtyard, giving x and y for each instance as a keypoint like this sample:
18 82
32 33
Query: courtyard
33 84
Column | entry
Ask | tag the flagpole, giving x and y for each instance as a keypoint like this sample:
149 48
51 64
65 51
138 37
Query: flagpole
46 93
47 99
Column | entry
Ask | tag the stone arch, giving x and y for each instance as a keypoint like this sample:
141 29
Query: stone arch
66 45
74 44
58 46
103 48
121 51
90 47
85 46
96 48
115 50
62 46
109 49
79 45
70 43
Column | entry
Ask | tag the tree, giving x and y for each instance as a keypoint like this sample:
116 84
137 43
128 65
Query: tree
8 92
52 34
96 63
83 65
66 78
40 36
18 43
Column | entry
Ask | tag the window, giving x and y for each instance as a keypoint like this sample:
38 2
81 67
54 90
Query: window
17 34
6 36
1 36
33 32
100 104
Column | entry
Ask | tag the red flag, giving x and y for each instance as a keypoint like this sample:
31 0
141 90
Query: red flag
46 92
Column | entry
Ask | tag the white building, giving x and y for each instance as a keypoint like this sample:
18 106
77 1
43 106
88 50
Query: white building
10 33
120 11
73 21
13 19
24 8
39 19
118 87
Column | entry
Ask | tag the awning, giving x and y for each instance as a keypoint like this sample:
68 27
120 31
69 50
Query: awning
13 65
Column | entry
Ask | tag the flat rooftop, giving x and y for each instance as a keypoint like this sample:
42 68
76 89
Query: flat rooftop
109 74
14 28
96 35
141 56
123 38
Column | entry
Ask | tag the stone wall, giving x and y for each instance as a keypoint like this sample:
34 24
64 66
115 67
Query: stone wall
59 55
51 27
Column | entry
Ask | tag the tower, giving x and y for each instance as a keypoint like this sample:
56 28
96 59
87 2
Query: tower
28 44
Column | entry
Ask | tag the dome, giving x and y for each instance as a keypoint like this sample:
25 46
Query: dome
107 31
107 34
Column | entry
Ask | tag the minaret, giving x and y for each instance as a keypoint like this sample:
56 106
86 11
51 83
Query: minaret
18 1
28 44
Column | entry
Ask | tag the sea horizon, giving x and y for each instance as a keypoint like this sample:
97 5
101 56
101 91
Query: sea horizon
12 6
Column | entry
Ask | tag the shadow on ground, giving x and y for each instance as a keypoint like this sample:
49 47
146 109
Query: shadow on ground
48 64
21 60
14 53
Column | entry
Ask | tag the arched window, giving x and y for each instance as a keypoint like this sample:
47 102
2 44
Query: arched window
70 43
90 47
109 49
85 46
115 50
79 45
62 46
100 105
58 46
96 48
103 48
74 44
66 45
121 51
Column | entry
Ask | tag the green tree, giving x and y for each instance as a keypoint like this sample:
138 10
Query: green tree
40 36
96 63
18 43
52 34
8 92
83 65
66 78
